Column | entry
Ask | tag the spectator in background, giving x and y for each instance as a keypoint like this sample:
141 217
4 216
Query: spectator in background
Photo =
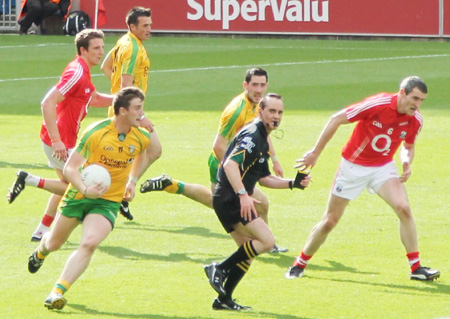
35 11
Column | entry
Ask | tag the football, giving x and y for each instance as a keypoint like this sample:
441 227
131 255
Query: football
94 174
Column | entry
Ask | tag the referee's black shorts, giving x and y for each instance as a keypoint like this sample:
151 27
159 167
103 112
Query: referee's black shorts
229 212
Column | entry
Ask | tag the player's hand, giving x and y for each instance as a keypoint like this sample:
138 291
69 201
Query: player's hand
60 151
248 210
406 172
130 191
278 170
147 124
95 191
302 180
307 162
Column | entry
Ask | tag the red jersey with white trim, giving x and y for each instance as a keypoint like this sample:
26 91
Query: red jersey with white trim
380 130
76 87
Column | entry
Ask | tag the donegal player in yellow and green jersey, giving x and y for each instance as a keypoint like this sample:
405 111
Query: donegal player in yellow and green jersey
127 64
122 148
129 58
242 110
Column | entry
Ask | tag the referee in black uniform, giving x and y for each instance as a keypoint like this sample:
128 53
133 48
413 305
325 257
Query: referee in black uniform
246 163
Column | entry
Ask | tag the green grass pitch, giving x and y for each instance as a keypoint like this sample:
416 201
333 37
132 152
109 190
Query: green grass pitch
151 268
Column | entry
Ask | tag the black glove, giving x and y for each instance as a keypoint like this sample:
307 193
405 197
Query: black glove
298 179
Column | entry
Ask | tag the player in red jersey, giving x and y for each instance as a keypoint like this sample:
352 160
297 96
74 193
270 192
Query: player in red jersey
64 107
384 122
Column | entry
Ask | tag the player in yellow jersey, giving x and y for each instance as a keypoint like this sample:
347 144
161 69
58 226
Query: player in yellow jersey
127 64
123 149
242 110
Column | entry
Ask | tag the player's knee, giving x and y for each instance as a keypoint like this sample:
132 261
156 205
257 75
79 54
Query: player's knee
89 245
403 210
268 243
329 224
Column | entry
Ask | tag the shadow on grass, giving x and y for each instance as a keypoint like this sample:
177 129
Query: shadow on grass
431 287
196 231
247 314
125 253
285 261
24 166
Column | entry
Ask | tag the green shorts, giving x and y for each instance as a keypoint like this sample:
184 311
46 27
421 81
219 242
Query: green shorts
80 208
213 164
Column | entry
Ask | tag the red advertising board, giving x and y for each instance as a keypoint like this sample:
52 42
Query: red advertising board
349 17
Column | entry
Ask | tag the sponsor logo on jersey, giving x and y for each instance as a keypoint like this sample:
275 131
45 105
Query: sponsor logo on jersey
377 124
112 162
248 144
262 160
108 148
403 123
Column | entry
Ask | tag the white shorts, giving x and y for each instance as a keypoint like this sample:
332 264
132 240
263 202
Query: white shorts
53 162
351 179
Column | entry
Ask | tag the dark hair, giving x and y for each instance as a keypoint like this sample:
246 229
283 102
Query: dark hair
255 71
124 97
83 37
135 13
264 100
411 82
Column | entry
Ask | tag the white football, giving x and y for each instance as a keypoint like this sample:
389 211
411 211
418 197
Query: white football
94 174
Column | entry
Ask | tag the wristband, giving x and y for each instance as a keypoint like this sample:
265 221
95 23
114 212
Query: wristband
133 179
290 184
56 140
274 158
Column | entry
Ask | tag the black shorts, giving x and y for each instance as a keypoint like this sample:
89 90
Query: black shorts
229 212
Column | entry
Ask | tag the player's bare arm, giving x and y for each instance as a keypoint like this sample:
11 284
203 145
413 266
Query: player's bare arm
140 165
309 160
126 81
101 99
406 156
276 165
220 146
107 65
48 107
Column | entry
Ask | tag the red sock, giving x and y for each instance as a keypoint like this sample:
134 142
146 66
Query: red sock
414 260
302 260
41 183
47 220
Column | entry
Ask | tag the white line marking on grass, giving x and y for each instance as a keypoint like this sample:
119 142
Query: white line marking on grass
32 45
265 65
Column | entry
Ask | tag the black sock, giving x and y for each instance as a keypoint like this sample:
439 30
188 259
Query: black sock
234 277
245 252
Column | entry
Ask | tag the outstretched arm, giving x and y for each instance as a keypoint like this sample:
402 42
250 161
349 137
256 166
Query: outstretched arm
311 157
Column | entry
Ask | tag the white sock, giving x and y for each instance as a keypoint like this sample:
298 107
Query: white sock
32 180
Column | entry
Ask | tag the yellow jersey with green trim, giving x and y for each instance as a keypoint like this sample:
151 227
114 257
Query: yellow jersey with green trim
102 144
239 112
129 56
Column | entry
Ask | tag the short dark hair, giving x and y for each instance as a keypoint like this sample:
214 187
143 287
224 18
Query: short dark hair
263 102
411 82
124 97
255 71
135 13
84 36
